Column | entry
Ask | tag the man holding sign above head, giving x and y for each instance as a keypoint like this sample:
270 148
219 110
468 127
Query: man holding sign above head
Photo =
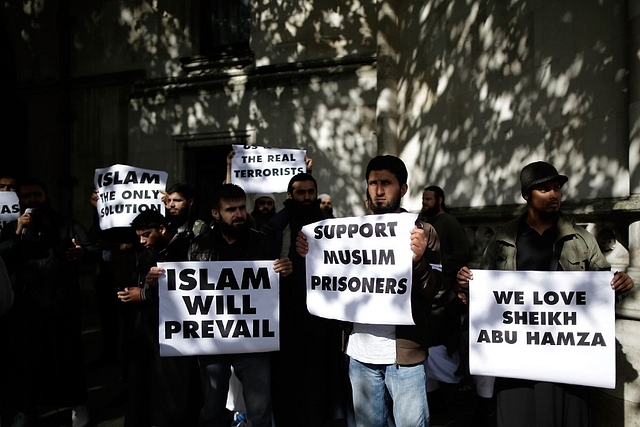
544 239
386 368
231 239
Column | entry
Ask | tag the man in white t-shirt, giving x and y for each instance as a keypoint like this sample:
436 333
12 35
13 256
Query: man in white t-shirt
386 368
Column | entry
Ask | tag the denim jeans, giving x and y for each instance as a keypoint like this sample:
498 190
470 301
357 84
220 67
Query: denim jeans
378 388
254 372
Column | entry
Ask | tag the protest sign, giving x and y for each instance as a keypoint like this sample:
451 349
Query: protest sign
218 308
556 326
265 169
125 191
9 207
359 268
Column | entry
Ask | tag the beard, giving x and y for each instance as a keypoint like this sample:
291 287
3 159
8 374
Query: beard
262 217
237 230
391 206
428 212
179 218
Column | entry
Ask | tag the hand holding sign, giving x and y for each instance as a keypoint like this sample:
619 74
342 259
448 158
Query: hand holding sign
423 237
283 266
621 282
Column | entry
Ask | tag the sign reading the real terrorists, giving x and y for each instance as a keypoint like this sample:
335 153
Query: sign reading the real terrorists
359 268
125 191
265 169
9 207
556 326
218 307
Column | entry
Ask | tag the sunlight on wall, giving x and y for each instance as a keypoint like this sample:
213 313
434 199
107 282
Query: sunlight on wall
487 88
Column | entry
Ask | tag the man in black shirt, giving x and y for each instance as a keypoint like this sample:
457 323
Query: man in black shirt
230 239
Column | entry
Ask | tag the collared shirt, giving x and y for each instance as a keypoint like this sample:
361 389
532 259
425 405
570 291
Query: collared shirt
534 250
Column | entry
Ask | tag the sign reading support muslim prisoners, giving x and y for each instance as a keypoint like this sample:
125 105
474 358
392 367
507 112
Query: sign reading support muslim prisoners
554 326
265 169
125 191
9 207
359 268
218 308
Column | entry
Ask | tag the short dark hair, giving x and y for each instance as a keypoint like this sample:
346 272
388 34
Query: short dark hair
187 190
28 182
149 219
227 192
302 176
393 164
439 193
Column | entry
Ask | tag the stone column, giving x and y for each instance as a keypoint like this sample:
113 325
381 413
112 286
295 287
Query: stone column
631 308
621 406
387 73
634 96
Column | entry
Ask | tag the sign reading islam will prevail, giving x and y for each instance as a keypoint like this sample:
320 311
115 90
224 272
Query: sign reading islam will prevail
556 326
218 308
265 169
359 268
125 191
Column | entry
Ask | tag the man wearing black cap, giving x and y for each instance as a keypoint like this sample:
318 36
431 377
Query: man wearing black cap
543 239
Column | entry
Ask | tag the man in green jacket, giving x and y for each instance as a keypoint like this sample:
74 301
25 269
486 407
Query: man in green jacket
543 239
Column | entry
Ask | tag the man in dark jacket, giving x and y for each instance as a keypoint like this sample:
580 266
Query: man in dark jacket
230 239
42 250
163 391
311 393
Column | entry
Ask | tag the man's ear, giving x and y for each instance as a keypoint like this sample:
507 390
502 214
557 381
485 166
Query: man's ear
215 214
289 195
403 190
526 197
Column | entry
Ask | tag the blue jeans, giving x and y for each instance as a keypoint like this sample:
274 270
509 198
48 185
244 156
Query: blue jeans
254 372
378 388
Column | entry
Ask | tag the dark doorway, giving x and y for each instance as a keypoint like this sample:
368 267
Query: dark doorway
206 169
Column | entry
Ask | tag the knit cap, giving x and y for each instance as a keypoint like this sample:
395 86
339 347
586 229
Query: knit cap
268 195
538 172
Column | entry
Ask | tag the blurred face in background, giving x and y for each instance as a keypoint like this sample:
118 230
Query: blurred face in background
32 196
178 206
8 183
265 205
304 192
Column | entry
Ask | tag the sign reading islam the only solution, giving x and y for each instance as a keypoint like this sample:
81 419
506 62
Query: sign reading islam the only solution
265 169
125 191
359 268
556 326
218 308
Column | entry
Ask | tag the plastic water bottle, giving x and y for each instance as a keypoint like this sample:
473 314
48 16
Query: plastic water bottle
239 419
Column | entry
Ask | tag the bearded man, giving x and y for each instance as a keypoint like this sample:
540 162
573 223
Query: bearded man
264 209
308 368
231 239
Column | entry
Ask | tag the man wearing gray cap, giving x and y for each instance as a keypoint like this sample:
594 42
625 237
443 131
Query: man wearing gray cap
264 208
543 239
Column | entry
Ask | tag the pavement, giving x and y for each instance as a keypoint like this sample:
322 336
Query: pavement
107 390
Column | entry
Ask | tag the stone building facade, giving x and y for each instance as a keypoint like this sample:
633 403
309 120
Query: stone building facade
466 92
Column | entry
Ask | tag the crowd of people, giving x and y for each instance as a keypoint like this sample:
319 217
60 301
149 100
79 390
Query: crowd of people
326 371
